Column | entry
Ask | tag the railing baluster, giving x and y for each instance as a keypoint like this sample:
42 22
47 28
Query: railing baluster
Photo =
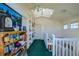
73 48
56 48
66 48
54 41
59 50
63 48
70 47
77 48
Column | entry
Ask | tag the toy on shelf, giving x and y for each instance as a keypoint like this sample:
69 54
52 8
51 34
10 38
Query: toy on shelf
11 47
6 50
14 36
6 39
17 44
11 39
23 36
22 42
17 37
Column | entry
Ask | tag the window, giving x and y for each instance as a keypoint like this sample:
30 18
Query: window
65 26
74 25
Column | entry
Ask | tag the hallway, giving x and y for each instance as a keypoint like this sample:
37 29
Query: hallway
38 48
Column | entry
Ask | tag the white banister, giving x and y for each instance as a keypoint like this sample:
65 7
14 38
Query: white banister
65 46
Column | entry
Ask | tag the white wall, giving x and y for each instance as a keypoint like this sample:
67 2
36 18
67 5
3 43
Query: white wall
47 25
70 32
55 27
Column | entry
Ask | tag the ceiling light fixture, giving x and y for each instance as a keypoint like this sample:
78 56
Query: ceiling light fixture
43 12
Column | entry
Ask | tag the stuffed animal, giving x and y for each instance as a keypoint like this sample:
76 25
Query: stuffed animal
17 44
17 37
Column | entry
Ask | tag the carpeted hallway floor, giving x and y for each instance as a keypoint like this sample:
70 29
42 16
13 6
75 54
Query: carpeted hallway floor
38 48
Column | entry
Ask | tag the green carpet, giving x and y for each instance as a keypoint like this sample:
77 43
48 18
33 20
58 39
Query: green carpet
38 48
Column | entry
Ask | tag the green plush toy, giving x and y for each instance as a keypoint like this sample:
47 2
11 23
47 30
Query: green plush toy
17 37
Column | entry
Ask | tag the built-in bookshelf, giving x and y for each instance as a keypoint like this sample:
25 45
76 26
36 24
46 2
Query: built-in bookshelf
13 43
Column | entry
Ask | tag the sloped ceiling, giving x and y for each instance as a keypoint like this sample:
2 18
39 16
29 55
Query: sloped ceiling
61 10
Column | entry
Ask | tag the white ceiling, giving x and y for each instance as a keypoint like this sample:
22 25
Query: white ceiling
61 10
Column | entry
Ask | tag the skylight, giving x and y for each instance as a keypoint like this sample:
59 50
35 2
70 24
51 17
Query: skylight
43 12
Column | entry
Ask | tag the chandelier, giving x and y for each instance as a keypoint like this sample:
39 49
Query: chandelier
43 12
